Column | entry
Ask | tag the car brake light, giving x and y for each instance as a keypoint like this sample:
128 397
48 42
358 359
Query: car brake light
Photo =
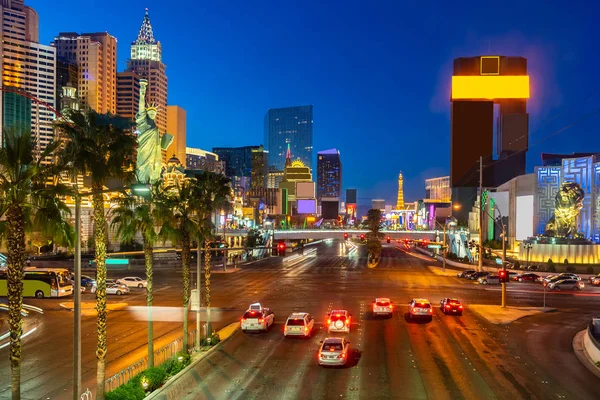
285 328
243 319
431 311
447 305
460 307
306 329
261 319
343 355
320 355
337 315
347 321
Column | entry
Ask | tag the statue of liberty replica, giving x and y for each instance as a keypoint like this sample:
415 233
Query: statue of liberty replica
150 141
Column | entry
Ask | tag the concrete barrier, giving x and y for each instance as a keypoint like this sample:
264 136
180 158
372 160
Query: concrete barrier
591 340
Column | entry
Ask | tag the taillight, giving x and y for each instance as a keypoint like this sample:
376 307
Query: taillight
285 328
343 355
447 305
306 329
243 319
328 321
347 321
460 307
320 355
431 311
261 320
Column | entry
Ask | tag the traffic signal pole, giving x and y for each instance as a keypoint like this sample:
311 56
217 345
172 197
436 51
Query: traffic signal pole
504 264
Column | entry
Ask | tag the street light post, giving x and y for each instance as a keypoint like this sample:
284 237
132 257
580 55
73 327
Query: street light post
77 303
198 262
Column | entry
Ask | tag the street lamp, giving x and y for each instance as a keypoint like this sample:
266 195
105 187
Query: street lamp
528 247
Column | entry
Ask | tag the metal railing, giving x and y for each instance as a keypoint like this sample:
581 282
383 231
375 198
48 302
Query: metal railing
160 356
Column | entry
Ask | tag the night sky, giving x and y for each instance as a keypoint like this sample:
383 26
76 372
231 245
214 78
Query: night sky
377 72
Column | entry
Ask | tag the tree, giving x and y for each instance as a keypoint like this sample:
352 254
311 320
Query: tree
180 209
374 236
26 201
132 216
102 147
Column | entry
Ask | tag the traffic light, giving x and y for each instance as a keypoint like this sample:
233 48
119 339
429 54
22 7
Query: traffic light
503 275
345 236
388 239
362 236
281 249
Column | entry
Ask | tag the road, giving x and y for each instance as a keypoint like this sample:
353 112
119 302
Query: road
450 357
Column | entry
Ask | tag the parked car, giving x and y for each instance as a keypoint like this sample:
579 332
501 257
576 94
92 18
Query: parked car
592 278
526 277
533 268
133 281
489 280
466 272
86 281
595 280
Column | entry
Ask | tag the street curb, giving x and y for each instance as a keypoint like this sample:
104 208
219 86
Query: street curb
582 355
174 389
474 310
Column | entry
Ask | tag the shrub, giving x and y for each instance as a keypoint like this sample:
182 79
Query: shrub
566 261
466 260
129 391
590 269
517 265
551 268
570 268
155 377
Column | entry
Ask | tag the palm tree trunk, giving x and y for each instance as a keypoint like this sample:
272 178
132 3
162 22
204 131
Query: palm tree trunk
148 261
100 248
16 264
185 258
207 287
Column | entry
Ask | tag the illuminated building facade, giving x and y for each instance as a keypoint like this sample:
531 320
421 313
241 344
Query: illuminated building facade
128 94
176 126
146 61
259 165
95 55
329 174
291 126
274 178
438 189
198 159
479 85
298 184
400 201
238 160
26 66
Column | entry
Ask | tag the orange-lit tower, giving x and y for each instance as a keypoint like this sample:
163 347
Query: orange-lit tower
400 202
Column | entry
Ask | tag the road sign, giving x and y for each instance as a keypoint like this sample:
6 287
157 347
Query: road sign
434 246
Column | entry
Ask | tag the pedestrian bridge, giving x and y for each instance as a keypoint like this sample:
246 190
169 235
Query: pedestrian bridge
339 234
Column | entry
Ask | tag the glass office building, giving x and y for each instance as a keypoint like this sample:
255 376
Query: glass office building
293 126
329 174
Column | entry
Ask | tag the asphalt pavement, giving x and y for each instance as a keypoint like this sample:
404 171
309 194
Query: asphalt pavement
450 357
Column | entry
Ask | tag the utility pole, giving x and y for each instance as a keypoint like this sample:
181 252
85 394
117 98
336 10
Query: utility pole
480 265
444 250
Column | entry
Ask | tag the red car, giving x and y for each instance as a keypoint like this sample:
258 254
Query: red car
528 277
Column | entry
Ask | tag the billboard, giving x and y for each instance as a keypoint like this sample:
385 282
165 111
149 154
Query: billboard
351 210
307 206
490 87
305 190
329 209
525 220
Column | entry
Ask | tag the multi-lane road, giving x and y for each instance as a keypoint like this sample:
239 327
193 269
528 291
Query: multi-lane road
447 358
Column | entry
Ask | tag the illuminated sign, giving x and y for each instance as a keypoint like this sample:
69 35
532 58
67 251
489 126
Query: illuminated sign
489 65
490 87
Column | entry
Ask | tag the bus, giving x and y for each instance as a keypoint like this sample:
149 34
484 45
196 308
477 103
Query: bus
41 282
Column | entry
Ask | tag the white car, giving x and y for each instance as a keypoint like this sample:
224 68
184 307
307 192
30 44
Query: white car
334 351
420 308
383 306
338 321
112 285
133 281
257 320
299 324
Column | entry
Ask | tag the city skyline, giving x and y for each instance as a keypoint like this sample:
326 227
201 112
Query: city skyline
250 88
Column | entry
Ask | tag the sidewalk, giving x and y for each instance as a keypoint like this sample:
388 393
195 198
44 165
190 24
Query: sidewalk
88 308
439 271
504 316
582 355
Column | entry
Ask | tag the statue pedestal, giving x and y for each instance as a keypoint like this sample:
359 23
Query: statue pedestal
576 251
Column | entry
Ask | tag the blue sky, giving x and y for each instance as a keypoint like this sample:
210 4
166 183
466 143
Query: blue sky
376 72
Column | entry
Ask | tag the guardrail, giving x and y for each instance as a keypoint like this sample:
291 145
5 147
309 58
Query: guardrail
160 356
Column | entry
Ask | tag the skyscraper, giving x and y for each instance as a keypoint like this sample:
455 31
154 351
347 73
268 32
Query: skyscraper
329 174
146 61
26 66
176 126
479 83
400 201
259 168
293 126
95 55
128 94
238 160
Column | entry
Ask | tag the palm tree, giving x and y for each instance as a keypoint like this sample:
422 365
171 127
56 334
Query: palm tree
26 200
134 216
180 225
374 236
102 147
213 192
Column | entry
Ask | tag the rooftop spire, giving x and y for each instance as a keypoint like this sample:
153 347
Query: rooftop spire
288 156
146 36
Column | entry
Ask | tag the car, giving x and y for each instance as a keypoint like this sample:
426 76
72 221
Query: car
592 278
595 280
86 280
133 281
338 321
465 273
526 277
257 320
383 306
532 268
420 308
477 275
566 284
109 283
512 274
334 351
451 306
489 280
116 289
556 278
299 324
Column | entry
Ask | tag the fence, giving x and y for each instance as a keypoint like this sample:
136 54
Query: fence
160 356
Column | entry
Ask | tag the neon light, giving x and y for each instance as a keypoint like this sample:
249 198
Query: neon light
490 87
